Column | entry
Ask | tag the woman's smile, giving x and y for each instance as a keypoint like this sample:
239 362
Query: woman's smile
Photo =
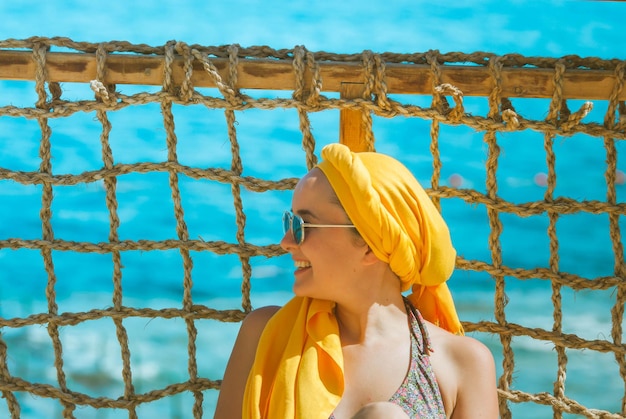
301 266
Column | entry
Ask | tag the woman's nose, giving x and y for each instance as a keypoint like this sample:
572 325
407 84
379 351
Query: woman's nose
287 242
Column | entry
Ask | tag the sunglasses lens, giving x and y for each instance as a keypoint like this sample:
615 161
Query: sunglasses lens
296 225
286 222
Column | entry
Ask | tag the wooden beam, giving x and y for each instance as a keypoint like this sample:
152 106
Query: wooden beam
351 127
279 75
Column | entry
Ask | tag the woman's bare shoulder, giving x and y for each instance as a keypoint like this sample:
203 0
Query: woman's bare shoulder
465 370
240 362
254 323
259 317
461 348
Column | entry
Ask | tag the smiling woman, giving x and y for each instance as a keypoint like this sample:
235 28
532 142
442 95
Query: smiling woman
319 355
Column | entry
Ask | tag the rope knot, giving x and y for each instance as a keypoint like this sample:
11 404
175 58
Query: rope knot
510 118
454 114
375 80
575 118
186 89
102 93
303 60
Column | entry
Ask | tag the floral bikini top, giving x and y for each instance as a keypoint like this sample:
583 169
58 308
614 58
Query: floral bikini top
419 394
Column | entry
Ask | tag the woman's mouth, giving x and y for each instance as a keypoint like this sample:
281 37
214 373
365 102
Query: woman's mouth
301 264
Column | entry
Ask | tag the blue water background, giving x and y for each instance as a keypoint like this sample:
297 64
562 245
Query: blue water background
270 148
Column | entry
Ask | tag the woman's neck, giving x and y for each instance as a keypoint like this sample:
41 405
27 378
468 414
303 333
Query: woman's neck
370 313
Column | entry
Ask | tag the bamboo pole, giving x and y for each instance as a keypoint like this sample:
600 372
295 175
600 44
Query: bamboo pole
279 75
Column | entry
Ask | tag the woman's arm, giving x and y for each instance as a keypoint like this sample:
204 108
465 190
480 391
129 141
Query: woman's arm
477 395
241 360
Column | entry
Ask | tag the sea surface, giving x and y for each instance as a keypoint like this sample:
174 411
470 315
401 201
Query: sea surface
270 147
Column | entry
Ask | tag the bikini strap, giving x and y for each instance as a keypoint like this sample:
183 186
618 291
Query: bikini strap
423 341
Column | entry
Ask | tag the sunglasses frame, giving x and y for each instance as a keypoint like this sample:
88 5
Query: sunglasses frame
289 216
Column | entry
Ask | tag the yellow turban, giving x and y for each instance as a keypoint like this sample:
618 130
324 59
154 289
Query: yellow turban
401 225
298 369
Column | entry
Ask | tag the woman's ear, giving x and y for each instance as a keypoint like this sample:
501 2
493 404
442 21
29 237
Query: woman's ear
369 258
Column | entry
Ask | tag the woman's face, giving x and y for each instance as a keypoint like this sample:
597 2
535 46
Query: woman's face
329 257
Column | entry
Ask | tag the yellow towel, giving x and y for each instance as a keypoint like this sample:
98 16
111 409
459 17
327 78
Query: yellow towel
298 369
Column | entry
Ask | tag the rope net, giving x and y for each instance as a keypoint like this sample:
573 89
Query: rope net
547 294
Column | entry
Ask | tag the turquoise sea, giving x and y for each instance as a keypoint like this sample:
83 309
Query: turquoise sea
271 149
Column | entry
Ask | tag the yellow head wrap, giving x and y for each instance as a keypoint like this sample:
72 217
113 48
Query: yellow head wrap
298 370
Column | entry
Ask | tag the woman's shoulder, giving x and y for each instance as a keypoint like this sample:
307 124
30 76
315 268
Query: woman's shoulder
464 366
241 360
262 314
460 348
255 321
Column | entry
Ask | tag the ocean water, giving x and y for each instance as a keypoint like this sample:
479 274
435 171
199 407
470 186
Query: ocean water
271 149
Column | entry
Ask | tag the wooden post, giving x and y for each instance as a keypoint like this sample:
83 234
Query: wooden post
351 128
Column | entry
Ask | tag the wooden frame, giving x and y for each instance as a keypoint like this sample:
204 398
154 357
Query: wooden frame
279 75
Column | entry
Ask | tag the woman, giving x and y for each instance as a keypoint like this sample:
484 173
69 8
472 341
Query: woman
362 231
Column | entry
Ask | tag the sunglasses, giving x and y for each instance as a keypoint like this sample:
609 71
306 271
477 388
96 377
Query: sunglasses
296 224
